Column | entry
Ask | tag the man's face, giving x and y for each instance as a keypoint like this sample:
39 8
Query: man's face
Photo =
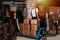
33 5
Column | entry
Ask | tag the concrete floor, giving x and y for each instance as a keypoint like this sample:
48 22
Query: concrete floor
48 38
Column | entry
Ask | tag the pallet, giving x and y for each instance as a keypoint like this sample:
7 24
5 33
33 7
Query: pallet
37 37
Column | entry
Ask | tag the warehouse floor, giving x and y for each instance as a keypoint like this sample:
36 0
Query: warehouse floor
57 37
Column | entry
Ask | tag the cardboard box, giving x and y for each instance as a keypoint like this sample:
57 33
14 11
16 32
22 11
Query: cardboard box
34 21
26 21
26 27
52 29
54 10
21 26
34 27
33 33
26 32
21 31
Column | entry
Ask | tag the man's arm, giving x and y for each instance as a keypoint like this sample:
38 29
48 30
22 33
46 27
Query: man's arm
37 12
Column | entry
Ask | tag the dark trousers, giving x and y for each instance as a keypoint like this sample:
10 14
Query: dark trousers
34 17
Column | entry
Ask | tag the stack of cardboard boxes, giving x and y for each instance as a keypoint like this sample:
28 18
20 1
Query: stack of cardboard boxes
26 30
34 27
29 27
21 28
52 24
58 24
53 16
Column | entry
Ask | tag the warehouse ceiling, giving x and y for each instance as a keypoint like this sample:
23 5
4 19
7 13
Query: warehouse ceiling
50 2
14 0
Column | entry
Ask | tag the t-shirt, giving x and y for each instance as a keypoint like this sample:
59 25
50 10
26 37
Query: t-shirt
29 14
34 12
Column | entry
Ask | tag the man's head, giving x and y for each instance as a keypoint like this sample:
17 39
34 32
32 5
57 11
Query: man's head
33 5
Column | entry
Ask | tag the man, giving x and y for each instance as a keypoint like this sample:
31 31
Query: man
34 12
20 14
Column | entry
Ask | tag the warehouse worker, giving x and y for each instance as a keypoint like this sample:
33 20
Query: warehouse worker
34 12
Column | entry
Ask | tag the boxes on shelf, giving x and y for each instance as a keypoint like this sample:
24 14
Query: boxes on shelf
54 10
33 33
53 29
33 21
26 21
26 32
34 27
58 29
21 26
26 27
